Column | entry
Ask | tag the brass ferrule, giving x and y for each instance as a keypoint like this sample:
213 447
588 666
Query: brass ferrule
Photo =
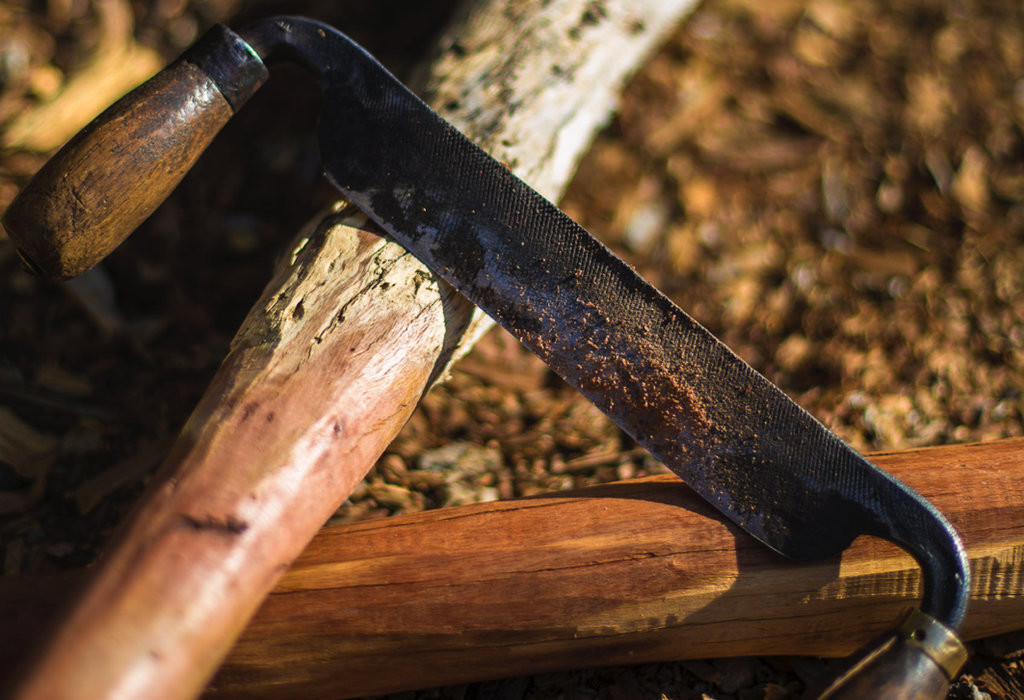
937 641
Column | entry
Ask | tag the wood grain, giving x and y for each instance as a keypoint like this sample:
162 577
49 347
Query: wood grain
631 572
625 573
325 371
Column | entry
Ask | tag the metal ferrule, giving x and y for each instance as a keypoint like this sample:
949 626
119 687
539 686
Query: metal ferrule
230 62
935 640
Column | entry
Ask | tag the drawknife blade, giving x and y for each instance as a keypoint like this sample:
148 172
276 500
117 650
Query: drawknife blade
728 432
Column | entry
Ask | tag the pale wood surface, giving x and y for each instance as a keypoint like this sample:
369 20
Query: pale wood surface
631 572
326 369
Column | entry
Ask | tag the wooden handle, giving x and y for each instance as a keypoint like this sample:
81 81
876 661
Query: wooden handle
916 662
114 173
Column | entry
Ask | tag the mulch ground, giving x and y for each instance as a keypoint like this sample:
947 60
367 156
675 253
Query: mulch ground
836 189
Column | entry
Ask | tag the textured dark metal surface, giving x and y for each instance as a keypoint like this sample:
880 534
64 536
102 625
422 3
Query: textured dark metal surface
231 64
723 428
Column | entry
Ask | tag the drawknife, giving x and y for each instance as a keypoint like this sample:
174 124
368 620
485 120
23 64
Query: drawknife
729 433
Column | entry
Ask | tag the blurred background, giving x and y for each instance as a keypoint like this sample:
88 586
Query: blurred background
835 189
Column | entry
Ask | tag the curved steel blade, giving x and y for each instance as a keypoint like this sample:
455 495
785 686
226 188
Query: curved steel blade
723 428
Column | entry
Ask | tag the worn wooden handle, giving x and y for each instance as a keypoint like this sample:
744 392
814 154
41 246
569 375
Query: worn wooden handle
916 662
114 173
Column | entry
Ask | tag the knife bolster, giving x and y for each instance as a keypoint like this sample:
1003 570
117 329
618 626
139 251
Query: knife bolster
917 661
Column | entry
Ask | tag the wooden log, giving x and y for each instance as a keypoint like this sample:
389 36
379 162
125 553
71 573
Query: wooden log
631 572
327 368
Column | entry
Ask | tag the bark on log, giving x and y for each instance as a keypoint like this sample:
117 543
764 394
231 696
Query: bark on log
631 572
327 368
